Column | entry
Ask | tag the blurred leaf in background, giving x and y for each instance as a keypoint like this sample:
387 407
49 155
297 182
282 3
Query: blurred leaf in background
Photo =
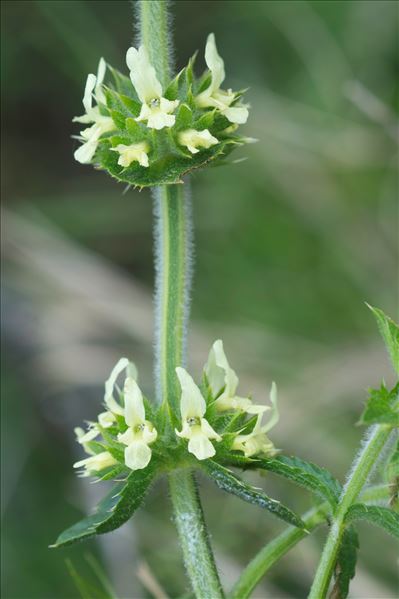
290 243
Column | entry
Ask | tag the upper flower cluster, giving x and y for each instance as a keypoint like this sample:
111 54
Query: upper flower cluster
146 135
213 419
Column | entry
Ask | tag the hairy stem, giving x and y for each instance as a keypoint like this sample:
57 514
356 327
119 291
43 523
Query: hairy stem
273 551
154 34
198 557
278 547
172 289
373 444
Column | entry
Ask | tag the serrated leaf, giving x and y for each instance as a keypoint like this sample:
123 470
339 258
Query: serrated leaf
169 169
118 118
345 568
132 105
178 87
114 103
136 131
123 83
381 516
231 483
306 474
390 333
114 510
382 407
205 121
184 117
391 475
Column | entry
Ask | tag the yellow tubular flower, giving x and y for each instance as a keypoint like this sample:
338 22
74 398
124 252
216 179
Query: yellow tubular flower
101 124
257 441
195 427
215 97
221 376
155 109
122 365
96 463
141 433
133 153
193 139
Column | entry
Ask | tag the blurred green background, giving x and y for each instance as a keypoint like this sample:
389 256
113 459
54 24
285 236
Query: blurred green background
289 245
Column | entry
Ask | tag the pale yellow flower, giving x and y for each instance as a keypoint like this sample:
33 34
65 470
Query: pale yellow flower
133 153
101 123
193 139
141 432
195 427
215 97
155 109
257 441
96 463
122 365
221 376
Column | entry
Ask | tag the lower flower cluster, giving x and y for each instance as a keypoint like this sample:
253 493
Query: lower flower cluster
213 419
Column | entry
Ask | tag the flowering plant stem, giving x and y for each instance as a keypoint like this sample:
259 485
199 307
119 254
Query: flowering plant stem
373 444
278 547
173 276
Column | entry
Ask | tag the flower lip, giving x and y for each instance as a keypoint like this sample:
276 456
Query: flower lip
140 432
155 109
195 427
193 139
223 383
101 123
215 97
257 441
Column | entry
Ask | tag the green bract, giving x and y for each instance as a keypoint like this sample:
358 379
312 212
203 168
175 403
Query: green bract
144 135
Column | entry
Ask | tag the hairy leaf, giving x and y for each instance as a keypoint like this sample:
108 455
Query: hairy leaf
306 474
382 407
390 333
381 516
114 510
391 475
228 481
165 169
346 564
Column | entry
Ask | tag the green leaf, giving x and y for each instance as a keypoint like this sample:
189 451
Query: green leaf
390 333
179 86
228 481
123 84
167 169
382 407
306 474
136 131
86 588
101 576
115 103
391 475
205 121
114 510
184 117
132 105
381 516
346 564
118 118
